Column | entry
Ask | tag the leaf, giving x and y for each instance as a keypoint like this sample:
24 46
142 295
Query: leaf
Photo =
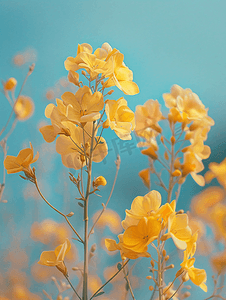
98 294
80 204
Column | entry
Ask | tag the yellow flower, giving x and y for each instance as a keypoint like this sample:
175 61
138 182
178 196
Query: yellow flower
119 74
56 257
24 108
22 162
147 206
93 63
120 118
191 246
111 245
193 165
73 77
72 148
179 230
83 106
10 84
57 114
187 103
138 237
197 276
148 116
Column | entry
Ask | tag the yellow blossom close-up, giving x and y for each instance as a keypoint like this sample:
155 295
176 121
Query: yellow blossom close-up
56 257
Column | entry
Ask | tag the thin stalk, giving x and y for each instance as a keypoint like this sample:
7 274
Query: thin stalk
159 272
129 285
171 185
109 279
67 277
86 252
176 290
59 212
112 189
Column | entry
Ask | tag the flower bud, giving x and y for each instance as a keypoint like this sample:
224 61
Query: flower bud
164 252
173 140
166 257
99 181
166 156
152 263
151 288
83 72
187 294
110 92
176 173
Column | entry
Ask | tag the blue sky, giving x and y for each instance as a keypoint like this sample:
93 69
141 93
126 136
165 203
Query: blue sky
164 42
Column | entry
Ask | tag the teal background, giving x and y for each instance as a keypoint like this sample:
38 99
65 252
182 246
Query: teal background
164 42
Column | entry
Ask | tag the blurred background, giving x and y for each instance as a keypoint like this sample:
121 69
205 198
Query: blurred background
164 42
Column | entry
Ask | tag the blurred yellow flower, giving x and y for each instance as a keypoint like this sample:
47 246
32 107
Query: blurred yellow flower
56 257
109 218
203 203
24 108
218 262
84 106
22 162
218 221
217 171
120 118
10 84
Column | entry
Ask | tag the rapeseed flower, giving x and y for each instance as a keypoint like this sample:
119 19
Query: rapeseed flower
22 162
56 257
120 118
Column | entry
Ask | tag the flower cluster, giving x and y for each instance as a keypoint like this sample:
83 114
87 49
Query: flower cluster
146 222
187 117
77 117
